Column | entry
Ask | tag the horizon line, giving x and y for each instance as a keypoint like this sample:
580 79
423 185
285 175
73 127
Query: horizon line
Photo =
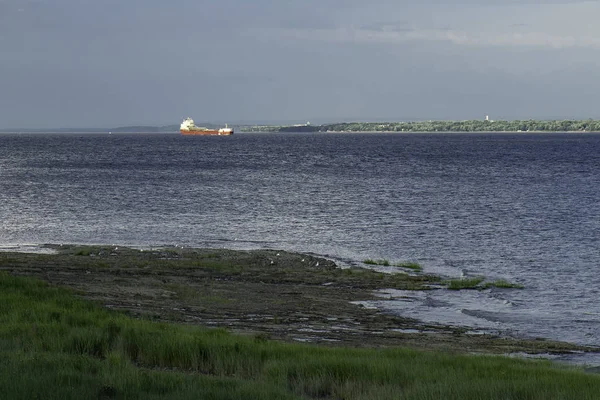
278 123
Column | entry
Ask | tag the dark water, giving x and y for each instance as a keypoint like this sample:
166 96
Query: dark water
519 207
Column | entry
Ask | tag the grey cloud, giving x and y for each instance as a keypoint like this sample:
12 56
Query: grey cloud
113 62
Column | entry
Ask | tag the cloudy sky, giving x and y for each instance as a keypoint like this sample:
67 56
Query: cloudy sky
98 63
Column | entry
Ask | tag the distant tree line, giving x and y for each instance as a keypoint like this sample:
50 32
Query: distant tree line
588 125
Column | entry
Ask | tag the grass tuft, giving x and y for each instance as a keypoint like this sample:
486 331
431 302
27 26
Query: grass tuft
479 284
502 284
369 261
410 265
465 283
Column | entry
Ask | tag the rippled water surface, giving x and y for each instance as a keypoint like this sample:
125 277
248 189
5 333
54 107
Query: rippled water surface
519 207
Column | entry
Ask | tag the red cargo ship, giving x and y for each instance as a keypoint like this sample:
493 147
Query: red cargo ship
187 127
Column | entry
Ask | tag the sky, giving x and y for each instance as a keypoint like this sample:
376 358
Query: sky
108 63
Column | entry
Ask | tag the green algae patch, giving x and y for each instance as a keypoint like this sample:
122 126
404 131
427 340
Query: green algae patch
479 283
502 284
465 283
410 265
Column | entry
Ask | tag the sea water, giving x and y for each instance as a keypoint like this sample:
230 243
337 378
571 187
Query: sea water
519 207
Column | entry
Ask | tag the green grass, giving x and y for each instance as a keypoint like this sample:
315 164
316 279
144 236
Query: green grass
477 283
480 284
55 346
410 265
502 284
465 283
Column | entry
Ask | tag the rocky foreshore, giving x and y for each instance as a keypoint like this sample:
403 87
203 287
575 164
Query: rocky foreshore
268 293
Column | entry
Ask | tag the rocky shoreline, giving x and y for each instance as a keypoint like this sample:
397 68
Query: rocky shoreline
266 293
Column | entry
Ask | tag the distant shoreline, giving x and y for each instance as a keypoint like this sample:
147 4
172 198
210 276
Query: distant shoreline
453 132
443 126
321 132
482 126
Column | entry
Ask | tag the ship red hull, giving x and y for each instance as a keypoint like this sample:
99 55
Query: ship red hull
209 132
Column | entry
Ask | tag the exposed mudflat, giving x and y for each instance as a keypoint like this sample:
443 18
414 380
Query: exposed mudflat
275 294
